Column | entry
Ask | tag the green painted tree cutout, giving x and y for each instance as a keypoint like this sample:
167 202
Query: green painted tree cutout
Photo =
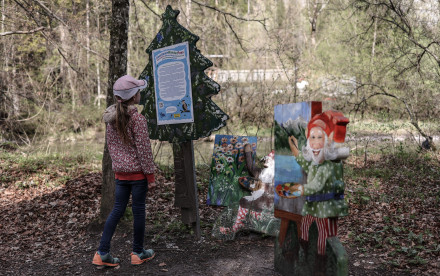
208 116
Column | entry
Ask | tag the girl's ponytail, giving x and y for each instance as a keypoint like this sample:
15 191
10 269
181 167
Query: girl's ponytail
122 118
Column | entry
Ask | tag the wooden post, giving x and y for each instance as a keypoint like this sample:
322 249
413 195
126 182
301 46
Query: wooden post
186 187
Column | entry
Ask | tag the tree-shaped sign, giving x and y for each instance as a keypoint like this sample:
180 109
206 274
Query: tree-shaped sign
207 115
188 98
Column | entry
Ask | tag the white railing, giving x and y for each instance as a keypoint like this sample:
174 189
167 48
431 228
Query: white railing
257 75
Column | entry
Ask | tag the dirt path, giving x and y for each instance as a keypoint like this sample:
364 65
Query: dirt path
249 254
49 231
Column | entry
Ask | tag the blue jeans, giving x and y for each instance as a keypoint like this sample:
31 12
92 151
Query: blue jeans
138 189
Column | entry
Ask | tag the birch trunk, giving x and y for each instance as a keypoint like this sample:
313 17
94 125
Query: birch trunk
3 16
66 70
374 40
13 91
188 13
98 83
88 32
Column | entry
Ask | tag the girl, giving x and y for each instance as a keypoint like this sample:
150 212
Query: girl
132 161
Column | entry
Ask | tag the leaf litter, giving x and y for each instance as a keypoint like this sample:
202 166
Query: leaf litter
393 224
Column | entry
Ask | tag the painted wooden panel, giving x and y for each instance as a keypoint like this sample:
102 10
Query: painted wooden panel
227 166
255 211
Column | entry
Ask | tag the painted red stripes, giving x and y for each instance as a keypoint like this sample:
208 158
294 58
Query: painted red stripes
242 212
327 227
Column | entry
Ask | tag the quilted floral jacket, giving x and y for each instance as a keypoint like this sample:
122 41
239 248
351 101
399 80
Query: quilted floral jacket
135 158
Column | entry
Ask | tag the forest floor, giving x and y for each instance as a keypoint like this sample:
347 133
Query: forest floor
392 229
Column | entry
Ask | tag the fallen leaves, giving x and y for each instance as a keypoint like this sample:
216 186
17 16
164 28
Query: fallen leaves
400 221
45 219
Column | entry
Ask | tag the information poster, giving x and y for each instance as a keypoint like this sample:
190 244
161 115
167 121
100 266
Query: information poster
172 84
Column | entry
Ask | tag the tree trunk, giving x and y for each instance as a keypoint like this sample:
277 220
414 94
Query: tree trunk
66 71
98 83
188 13
117 68
314 8
13 90
373 46
129 47
3 16
88 32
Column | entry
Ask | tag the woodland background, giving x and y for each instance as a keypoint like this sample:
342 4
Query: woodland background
378 61
380 57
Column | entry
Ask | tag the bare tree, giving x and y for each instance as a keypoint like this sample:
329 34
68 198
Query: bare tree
314 9
413 61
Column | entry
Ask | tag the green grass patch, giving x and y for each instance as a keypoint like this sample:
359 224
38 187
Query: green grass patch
50 163
43 169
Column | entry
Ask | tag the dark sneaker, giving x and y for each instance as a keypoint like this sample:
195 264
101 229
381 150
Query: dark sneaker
105 260
144 256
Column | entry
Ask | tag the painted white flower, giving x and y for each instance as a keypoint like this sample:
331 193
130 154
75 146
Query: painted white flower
239 145
230 159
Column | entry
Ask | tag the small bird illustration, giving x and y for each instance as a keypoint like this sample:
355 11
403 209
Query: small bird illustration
184 106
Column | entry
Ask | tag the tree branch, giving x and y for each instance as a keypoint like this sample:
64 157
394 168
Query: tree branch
50 13
261 21
148 7
67 61
235 34
22 32
384 92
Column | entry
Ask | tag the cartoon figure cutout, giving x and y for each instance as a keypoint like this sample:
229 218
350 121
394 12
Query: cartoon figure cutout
308 173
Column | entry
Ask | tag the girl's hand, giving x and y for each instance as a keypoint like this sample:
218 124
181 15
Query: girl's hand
151 185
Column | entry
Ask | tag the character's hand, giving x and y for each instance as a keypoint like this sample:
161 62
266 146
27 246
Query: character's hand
297 190
293 144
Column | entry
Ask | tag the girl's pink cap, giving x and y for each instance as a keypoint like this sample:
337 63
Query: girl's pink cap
127 86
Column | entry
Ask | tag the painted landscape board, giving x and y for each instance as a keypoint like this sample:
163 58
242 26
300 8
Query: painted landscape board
290 120
227 165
